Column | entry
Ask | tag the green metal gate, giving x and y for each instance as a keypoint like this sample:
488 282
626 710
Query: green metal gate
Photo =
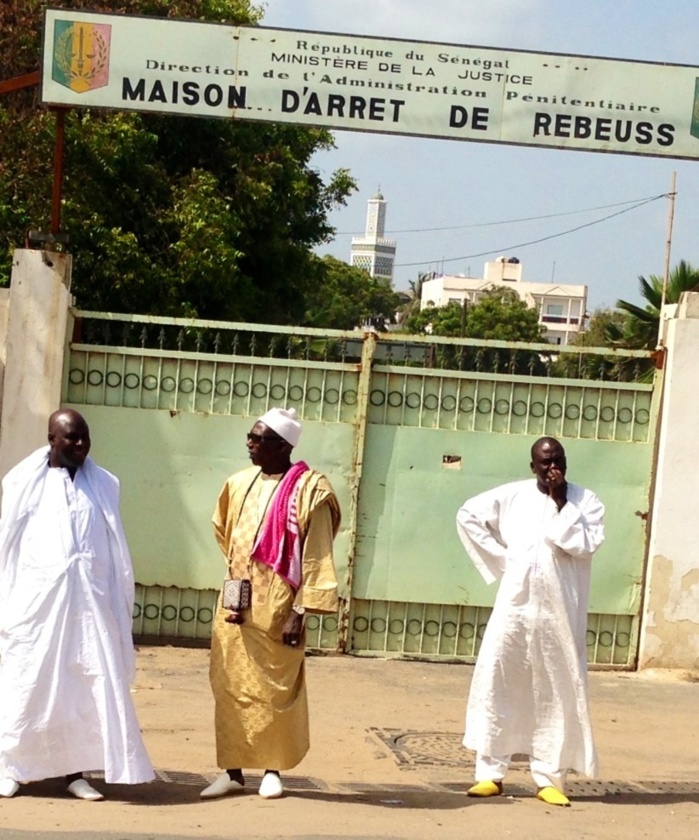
406 428
435 437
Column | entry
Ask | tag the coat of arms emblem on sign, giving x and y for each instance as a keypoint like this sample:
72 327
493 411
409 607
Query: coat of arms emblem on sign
81 55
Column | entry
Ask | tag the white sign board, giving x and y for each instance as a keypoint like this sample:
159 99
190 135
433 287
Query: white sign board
370 84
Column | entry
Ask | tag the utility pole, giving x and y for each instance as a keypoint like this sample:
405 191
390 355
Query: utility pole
668 249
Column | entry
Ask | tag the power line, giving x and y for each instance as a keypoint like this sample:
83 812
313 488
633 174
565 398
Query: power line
510 221
536 241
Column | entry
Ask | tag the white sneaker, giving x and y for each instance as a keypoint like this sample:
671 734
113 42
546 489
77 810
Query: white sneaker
8 788
271 786
223 786
81 789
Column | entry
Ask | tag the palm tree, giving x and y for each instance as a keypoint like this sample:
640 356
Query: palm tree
642 324
411 302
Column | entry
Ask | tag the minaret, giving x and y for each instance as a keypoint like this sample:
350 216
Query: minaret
372 251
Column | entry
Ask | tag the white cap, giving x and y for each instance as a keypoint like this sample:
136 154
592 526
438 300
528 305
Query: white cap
284 421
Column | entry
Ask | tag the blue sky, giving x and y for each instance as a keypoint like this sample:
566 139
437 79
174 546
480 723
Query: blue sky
461 185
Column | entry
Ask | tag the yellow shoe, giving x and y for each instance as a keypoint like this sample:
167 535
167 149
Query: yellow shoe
552 796
486 788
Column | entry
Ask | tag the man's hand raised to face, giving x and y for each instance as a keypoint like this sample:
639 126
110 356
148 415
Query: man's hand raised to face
558 486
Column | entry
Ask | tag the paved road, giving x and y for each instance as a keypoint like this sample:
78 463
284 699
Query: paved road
385 762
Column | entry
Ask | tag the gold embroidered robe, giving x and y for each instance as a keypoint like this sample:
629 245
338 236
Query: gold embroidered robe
258 682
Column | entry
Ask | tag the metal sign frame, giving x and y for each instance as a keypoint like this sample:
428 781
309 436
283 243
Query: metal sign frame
370 84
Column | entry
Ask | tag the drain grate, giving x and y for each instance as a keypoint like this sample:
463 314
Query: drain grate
181 778
593 789
682 788
439 749
413 749
358 787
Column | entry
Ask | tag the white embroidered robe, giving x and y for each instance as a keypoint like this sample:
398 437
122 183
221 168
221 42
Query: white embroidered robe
66 651
529 688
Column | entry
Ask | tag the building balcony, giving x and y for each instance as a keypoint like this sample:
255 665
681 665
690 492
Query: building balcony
559 319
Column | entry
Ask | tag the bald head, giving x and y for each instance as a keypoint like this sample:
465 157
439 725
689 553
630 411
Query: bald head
546 442
62 416
69 439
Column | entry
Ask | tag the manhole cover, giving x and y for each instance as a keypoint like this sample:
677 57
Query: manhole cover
443 749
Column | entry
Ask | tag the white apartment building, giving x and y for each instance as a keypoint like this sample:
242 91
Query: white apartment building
561 307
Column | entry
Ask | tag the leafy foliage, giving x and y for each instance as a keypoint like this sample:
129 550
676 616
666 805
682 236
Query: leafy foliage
603 323
499 315
437 320
410 301
344 297
629 327
167 215
641 326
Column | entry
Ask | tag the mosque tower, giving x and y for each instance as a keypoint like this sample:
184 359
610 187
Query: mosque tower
372 251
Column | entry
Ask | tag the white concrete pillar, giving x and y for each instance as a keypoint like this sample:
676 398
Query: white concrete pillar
670 621
35 346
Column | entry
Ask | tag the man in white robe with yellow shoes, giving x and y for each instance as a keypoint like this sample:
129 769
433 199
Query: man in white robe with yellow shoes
66 598
529 689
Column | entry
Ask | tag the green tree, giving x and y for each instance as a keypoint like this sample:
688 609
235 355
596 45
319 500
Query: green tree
498 315
166 215
501 315
410 304
437 320
343 297
640 329
603 323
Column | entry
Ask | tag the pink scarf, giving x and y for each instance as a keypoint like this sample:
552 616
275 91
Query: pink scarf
278 546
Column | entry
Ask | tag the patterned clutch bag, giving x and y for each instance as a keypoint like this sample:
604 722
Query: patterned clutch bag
237 594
